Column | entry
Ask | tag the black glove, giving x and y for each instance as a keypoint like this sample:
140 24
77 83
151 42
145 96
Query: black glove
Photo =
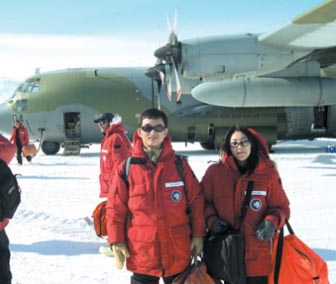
265 230
220 226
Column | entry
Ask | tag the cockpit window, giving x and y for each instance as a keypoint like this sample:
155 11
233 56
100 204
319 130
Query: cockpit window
30 86
22 105
35 87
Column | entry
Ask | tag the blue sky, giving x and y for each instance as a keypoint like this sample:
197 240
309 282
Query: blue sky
61 33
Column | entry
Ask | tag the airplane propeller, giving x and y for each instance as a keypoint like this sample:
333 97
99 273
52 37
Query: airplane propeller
171 54
158 74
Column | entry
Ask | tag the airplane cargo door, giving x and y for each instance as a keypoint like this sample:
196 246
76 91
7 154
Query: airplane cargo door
72 125
72 131
320 118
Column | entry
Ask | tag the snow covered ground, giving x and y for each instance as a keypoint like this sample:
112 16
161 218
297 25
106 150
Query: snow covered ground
51 242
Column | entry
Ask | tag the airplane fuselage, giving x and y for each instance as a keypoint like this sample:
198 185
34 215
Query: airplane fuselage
58 106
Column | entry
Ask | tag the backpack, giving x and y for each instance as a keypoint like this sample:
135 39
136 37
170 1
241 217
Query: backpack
142 161
10 192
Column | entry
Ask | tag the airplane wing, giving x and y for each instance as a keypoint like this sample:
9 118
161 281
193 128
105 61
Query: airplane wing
292 66
314 29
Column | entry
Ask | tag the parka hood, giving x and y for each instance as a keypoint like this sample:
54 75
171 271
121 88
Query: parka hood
264 160
115 128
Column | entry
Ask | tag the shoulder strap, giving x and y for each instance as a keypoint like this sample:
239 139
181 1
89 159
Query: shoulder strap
179 167
127 165
178 163
142 161
246 201
279 249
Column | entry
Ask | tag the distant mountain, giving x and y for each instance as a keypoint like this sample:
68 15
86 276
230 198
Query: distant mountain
7 88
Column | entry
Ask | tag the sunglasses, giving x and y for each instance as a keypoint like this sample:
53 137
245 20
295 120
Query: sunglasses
243 143
148 128
103 122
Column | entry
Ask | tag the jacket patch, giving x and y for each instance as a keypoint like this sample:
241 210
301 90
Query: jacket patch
176 196
174 184
259 192
255 204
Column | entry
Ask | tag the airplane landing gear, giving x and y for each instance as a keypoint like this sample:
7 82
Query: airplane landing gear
50 148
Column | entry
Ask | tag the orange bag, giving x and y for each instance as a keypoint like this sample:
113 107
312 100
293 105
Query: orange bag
295 262
99 219
29 150
195 273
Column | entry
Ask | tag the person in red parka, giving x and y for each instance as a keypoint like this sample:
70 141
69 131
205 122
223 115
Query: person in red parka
20 138
245 158
147 222
115 147
7 152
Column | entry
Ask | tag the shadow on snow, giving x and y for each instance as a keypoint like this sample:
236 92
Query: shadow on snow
57 247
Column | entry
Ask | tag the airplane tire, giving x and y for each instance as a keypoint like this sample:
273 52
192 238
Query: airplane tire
50 148
207 146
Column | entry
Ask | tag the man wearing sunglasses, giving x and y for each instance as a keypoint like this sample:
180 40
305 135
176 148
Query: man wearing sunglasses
147 221
115 147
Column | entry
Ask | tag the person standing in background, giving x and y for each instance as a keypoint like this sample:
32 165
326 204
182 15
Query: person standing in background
20 138
115 148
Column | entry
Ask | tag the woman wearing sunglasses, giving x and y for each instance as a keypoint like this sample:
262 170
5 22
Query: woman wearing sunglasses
244 158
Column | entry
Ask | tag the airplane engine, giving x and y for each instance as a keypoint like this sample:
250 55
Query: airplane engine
268 92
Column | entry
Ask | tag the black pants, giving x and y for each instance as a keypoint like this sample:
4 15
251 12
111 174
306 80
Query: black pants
5 274
19 155
137 278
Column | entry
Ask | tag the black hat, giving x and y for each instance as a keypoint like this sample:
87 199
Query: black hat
104 116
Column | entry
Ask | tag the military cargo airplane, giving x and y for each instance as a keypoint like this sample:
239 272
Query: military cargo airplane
291 66
59 107
270 82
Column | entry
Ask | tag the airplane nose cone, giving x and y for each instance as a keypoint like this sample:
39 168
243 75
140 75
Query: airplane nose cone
168 51
163 52
151 72
6 123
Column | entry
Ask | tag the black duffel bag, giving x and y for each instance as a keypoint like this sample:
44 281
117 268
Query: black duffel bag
224 257
224 254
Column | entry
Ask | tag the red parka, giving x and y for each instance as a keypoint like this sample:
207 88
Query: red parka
7 152
23 135
115 148
150 214
7 149
224 188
